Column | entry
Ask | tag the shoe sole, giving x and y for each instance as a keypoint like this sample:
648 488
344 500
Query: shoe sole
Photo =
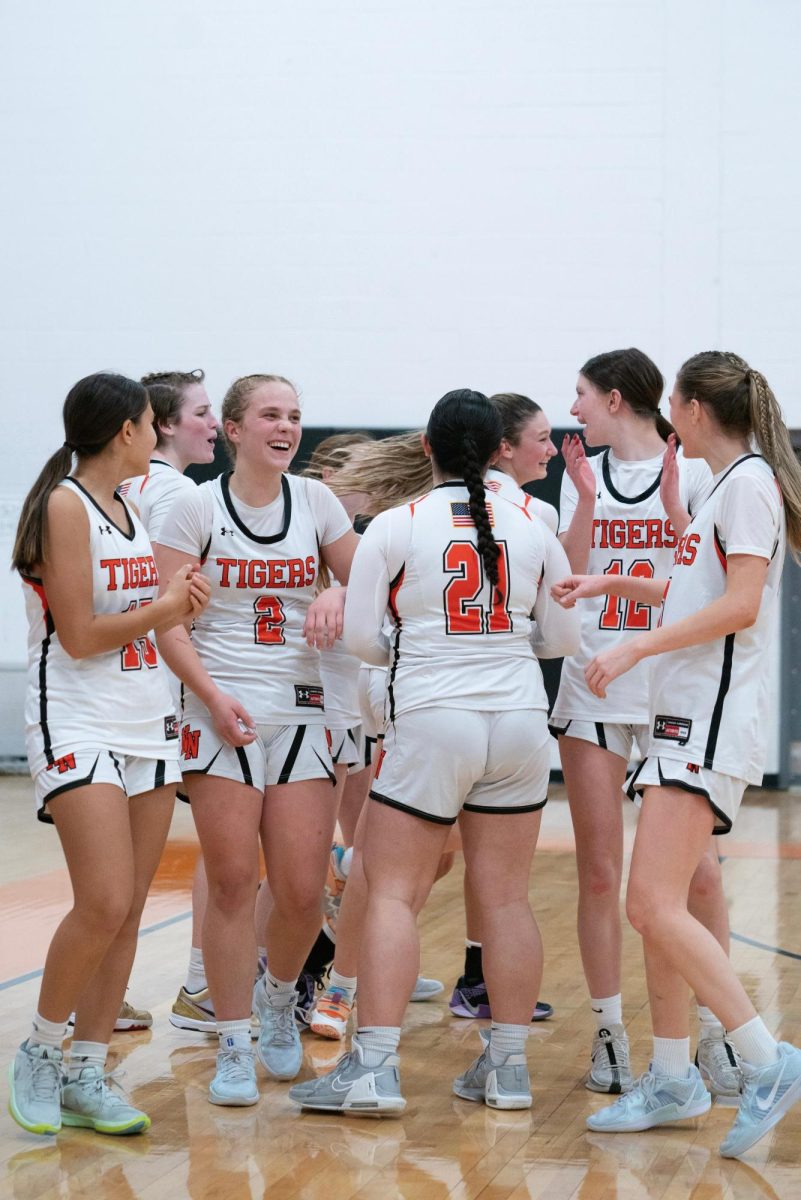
419 999
327 1031
478 1096
698 1110
132 1026
18 1117
282 1076
458 1011
231 1101
190 1025
790 1097
365 1108
77 1121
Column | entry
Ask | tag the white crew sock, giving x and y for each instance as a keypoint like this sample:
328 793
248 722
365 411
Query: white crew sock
608 1011
196 975
279 992
708 1024
234 1035
506 1040
377 1041
85 1054
754 1043
345 983
47 1033
671 1056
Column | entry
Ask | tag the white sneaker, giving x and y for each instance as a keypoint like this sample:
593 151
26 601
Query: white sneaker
34 1080
235 1081
89 1102
426 989
720 1069
278 1047
610 1070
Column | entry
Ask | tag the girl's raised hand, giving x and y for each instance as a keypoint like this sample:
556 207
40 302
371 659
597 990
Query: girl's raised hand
578 468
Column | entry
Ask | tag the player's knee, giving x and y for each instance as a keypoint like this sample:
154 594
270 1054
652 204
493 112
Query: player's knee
106 915
233 890
707 880
645 910
600 879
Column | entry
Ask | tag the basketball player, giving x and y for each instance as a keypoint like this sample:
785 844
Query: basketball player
186 433
255 749
459 573
707 731
640 512
102 740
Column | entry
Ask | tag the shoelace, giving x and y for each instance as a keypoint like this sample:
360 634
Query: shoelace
619 1047
284 1030
236 1066
647 1084
102 1083
722 1056
45 1078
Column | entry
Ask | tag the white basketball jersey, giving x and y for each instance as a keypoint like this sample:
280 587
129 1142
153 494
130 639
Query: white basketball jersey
339 672
154 493
250 635
631 535
502 484
456 641
118 700
709 703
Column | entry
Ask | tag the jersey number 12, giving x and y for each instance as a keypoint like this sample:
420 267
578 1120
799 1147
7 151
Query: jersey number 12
627 614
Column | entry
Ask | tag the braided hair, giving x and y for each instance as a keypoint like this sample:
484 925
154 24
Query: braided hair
464 431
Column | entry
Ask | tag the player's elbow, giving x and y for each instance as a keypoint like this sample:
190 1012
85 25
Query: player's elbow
745 613
367 649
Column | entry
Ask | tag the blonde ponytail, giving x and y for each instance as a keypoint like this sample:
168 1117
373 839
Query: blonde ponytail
773 440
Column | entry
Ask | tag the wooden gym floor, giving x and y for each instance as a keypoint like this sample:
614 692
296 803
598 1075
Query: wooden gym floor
442 1146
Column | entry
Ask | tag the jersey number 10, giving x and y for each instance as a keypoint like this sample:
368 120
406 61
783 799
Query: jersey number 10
463 612
627 614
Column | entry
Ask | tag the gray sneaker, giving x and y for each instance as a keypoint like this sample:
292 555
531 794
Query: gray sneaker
278 1048
353 1087
719 1065
34 1081
610 1071
91 1102
505 1085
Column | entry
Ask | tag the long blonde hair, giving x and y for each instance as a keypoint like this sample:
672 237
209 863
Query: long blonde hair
743 403
390 470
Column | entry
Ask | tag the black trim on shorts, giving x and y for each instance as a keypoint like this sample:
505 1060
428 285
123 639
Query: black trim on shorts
631 790
130 535
244 765
556 731
261 541
600 733
330 774
697 791
413 812
610 487
43 815
369 742
203 770
524 808
720 699
182 796
294 750
118 770
161 771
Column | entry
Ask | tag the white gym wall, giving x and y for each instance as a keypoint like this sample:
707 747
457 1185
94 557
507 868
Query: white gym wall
385 201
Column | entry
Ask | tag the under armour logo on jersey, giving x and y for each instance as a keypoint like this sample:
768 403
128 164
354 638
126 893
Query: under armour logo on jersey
104 528
224 531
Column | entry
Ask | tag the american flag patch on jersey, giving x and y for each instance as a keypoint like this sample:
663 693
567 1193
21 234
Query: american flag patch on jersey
460 513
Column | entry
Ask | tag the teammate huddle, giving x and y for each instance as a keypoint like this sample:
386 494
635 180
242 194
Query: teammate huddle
451 596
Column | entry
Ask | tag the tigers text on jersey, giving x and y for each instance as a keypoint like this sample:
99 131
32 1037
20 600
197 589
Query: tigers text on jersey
250 635
118 700
154 493
709 703
631 535
456 642
502 484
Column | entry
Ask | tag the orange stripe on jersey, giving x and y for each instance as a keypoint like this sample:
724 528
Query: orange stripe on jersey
524 506
721 553
38 587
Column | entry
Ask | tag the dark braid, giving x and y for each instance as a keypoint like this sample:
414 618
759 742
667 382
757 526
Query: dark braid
474 478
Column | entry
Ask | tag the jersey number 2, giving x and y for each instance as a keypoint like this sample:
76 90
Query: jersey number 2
627 614
141 652
270 621
463 612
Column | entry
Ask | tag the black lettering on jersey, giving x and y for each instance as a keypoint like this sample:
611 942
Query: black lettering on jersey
309 695
171 727
673 729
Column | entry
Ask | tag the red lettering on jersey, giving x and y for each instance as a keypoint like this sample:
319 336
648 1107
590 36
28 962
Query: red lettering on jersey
190 742
311 569
636 533
225 565
297 572
276 573
63 764
687 549
257 574
136 572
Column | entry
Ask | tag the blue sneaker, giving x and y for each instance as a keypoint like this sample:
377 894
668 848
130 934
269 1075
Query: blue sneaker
426 989
654 1100
354 1088
234 1084
278 1048
768 1093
